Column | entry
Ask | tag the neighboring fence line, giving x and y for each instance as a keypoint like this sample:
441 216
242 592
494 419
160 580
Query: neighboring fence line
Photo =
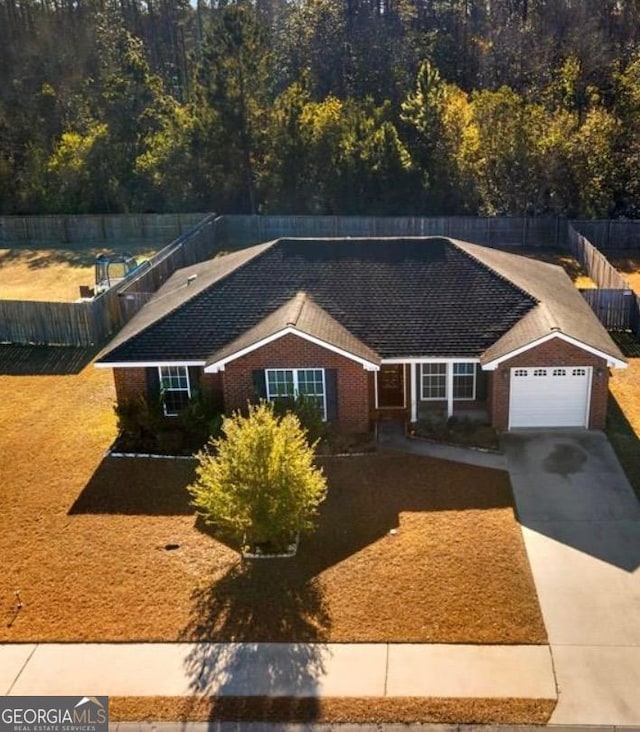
616 309
598 267
91 323
108 230
610 234
614 302
235 231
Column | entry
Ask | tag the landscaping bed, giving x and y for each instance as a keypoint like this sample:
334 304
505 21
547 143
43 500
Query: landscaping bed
461 431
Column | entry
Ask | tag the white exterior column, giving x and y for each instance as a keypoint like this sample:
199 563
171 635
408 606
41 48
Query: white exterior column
449 388
414 369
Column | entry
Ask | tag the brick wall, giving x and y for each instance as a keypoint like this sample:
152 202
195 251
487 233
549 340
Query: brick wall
555 352
291 351
130 383
211 385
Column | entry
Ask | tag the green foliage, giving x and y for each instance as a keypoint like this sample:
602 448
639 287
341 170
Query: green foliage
320 106
308 413
258 482
139 420
144 428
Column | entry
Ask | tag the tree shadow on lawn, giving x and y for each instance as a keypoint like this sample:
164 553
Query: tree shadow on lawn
80 256
244 606
624 441
258 605
138 486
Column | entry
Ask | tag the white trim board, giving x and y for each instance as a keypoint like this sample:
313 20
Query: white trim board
146 364
219 365
611 360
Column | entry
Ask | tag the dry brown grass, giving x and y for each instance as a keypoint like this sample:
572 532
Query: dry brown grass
82 538
333 710
623 419
50 275
628 264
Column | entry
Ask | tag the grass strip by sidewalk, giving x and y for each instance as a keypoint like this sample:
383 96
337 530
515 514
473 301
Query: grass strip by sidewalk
399 710
623 418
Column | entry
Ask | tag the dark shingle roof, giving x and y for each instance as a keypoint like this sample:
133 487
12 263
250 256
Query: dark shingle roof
399 296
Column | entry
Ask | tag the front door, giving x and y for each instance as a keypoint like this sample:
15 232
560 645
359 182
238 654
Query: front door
391 385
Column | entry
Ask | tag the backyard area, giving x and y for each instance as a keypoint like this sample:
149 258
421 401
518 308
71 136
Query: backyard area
51 275
628 264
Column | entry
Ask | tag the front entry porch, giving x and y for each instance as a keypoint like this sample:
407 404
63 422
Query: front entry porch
415 390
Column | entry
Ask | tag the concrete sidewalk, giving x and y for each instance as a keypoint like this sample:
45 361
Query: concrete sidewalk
273 669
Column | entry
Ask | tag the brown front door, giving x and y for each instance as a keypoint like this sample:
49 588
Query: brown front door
391 385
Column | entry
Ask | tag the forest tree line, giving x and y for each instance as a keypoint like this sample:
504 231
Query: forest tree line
430 107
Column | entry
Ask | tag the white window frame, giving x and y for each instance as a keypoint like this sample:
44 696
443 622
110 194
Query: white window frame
296 390
449 377
473 374
182 390
422 375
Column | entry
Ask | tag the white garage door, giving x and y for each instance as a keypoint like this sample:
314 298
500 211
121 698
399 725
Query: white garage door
549 397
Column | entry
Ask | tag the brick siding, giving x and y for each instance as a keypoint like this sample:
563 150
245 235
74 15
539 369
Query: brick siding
291 351
211 385
554 352
130 383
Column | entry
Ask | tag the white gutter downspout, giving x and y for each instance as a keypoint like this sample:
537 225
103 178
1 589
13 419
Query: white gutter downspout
449 389
414 369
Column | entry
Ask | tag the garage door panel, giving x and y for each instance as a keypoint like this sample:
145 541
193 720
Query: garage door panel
549 397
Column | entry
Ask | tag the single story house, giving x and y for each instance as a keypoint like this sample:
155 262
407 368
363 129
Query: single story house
376 328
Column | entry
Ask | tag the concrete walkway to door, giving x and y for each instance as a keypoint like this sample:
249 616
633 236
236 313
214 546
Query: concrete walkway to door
581 525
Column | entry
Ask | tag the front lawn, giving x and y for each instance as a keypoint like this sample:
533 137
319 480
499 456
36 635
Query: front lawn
108 548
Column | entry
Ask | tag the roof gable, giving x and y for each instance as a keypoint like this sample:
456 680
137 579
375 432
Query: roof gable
302 317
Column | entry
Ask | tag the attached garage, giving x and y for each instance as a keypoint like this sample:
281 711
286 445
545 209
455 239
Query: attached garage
550 396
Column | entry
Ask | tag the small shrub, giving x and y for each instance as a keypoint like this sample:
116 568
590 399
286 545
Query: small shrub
258 481
306 410
139 420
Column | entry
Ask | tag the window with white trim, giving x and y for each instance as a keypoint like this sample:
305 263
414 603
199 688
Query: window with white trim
434 381
540 372
521 372
579 372
174 389
559 372
464 381
288 383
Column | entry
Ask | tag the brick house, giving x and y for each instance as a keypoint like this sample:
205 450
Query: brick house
387 328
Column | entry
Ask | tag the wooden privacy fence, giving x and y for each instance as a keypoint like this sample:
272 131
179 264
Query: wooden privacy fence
598 267
92 322
64 323
616 309
89 230
610 234
614 302
235 232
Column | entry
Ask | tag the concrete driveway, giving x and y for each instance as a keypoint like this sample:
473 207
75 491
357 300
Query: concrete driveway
581 526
